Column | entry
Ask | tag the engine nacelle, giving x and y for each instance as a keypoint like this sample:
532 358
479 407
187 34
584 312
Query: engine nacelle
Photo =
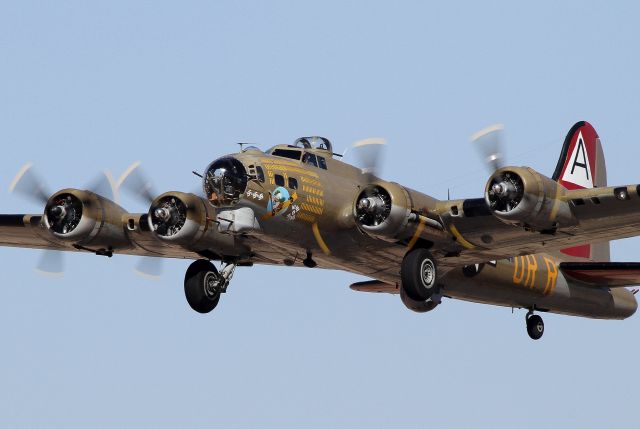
390 212
521 196
183 219
383 210
179 218
86 219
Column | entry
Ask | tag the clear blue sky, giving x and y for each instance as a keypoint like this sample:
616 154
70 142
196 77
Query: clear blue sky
87 86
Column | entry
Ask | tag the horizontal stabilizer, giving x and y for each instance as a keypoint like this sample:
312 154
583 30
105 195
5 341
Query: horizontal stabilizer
610 274
375 286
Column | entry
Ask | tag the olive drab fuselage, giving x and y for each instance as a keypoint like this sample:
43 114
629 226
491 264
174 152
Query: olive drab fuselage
303 209
532 241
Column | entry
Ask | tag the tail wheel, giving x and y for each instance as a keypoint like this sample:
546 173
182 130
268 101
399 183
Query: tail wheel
202 286
535 327
419 274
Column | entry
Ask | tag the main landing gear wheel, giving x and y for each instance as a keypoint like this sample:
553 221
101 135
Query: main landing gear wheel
203 286
535 326
418 273
417 306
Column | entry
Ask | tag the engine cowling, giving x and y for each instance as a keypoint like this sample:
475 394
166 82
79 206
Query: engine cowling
521 196
383 210
388 211
183 219
86 219
179 217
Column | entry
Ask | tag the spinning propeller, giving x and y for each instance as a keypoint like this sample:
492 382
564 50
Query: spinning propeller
506 189
137 183
489 143
373 205
369 153
61 214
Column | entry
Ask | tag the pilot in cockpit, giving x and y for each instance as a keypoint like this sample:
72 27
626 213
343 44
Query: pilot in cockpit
309 158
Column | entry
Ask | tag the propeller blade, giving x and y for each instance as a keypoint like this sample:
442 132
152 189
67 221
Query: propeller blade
28 184
150 267
134 181
488 142
51 263
104 185
370 152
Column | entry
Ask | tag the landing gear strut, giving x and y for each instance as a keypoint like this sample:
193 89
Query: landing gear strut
535 325
203 284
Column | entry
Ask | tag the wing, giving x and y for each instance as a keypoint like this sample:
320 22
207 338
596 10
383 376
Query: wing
22 230
29 231
601 214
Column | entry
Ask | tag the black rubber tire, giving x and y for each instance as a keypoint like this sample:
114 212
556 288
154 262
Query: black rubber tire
417 306
194 286
535 327
415 284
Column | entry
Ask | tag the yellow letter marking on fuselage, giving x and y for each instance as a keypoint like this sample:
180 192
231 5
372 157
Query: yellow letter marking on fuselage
532 268
528 265
552 275
518 270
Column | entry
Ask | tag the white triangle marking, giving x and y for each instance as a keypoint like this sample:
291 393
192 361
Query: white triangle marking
578 169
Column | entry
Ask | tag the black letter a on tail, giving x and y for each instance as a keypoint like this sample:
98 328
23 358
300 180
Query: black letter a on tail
580 151
577 170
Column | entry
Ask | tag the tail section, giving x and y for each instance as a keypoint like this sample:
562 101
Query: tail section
582 165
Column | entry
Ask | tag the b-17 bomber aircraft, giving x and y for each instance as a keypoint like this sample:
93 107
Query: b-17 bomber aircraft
532 242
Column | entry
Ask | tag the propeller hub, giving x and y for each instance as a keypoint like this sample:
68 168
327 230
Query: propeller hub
168 216
59 212
163 213
367 204
503 189
63 213
373 206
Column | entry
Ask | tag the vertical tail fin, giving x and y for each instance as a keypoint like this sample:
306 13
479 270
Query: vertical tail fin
582 165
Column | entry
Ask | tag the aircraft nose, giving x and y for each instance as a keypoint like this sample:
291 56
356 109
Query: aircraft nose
624 302
225 180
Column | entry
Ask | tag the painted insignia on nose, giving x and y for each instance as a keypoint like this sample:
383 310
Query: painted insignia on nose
279 201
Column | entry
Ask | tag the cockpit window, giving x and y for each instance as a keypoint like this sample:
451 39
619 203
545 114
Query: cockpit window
310 159
287 153
260 174
322 163
249 148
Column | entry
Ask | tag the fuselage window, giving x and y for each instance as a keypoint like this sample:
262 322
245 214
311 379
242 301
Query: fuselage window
293 183
310 159
260 174
279 180
322 163
287 153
